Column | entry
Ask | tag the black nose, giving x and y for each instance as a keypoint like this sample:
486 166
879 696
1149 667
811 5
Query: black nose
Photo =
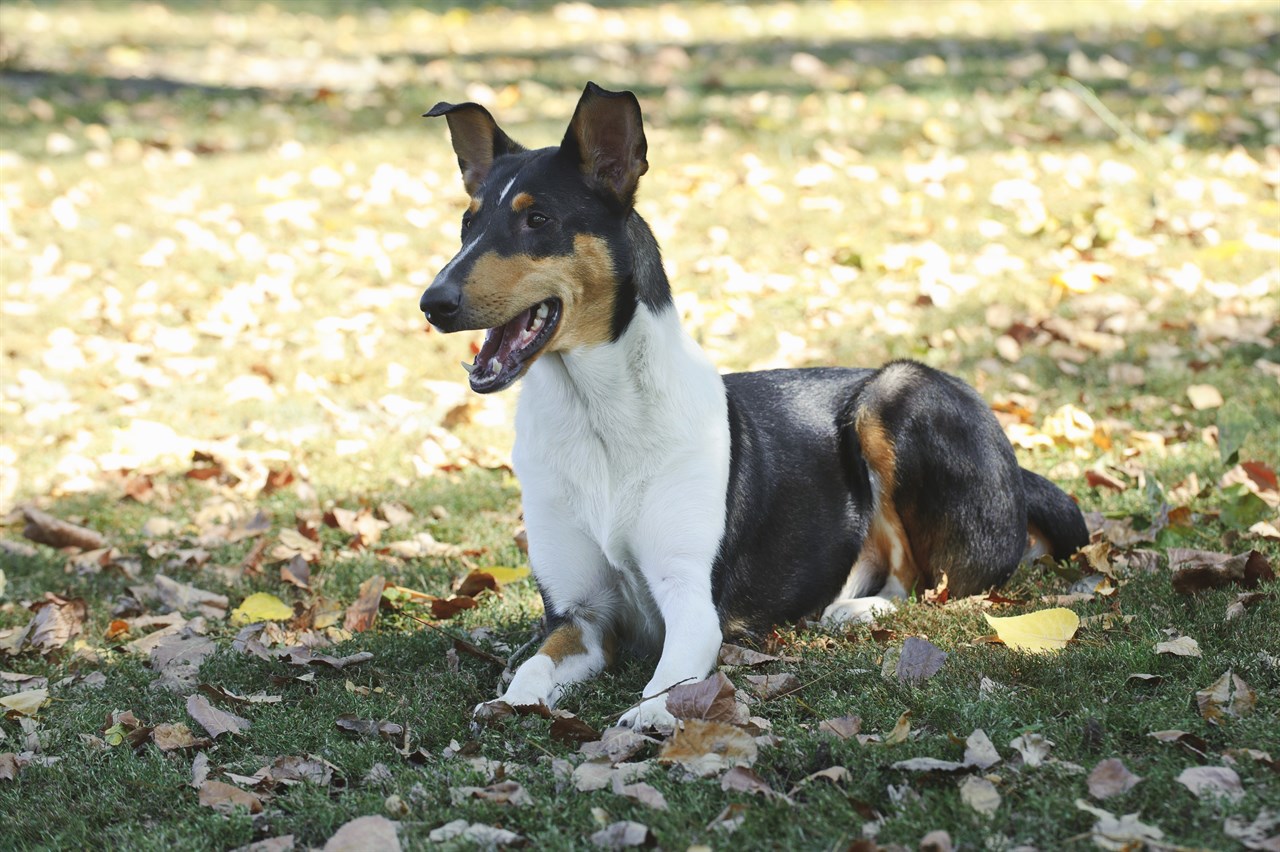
440 302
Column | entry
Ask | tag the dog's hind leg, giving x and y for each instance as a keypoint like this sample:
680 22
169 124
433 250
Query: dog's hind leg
573 651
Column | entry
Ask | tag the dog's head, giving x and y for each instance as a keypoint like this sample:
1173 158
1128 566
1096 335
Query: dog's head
544 237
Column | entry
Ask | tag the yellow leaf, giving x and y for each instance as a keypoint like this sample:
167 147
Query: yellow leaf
261 607
506 576
25 703
1045 630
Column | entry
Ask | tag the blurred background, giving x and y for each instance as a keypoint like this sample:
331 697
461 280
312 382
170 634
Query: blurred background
216 218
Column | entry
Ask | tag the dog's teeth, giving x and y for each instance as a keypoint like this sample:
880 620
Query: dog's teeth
542 311
468 367
495 365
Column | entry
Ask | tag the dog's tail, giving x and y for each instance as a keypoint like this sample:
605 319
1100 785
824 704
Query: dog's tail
1054 515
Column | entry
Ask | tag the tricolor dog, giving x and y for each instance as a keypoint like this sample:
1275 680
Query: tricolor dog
668 505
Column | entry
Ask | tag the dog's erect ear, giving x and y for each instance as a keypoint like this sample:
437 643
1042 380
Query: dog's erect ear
477 140
606 136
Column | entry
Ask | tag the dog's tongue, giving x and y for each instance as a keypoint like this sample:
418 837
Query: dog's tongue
500 342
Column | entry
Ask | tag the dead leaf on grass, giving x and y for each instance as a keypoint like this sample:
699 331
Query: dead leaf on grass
348 723
568 728
599 773
57 622
1183 646
1034 748
46 529
481 835
641 792
1111 778
297 572
736 655
1192 743
743 780
616 744
773 685
363 611
842 727
1256 834
621 835
24 703
1043 631
919 660
710 699
901 730
172 737
225 798
704 748
1229 695
1212 782
261 607
365 834
980 794
1119 833
1199 570
502 793
216 722
979 751
1203 397
730 819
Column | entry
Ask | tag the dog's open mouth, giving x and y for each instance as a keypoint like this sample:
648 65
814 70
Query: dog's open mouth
508 347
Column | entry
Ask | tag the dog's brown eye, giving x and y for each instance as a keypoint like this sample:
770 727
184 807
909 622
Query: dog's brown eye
536 220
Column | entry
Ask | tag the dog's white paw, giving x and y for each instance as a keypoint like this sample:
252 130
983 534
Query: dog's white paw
862 610
650 715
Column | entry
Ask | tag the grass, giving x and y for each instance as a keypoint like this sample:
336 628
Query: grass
226 237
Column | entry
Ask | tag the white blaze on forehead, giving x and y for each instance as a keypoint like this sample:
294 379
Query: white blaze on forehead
502 196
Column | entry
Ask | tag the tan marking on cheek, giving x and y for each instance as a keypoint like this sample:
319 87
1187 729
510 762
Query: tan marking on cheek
476 204
564 641
587 318
888 535
521 201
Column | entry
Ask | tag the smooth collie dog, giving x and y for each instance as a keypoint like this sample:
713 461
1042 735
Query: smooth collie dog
667 505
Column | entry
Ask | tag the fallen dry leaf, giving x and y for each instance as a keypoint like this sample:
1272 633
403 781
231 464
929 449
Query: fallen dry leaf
481 835
568 728
368 728
979 751
773 685
227 797
1119 833
919 660
216 722
901 730
641 792
599 773
703 747
365 834
711 699
1192 743
24 703
363 611
980 794
1212 782
1204 397
1111 778
1037 632
1183 646
46 529
56 623
616 744
1200 570
1229 695
1033 747
841 727
502 793
1251 835
743 780
736 655
176 736
621 835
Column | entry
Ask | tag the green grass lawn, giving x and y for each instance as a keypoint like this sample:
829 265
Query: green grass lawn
215 223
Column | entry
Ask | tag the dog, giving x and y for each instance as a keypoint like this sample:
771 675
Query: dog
669 506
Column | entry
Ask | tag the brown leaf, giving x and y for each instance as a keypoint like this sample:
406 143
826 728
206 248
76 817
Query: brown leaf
348 723
842 727
176 736
743 780
568 728
774 685
901 730
477 581
182 597
298 769
1034 748
641 792
361 613
730 819
736 655
1102 479
1112 832
1111 778
1183 646
296 571
220 694
1243 601
442 608
919 660
616 745
46 529
711 699
1188 741
57 622
216 722
1198 570
226 798
365 834
1229 695
305 657
703 747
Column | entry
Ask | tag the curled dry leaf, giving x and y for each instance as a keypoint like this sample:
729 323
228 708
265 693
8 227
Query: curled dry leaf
599 773
365 834
568 728
1111 778
1033 747
177 736
57 622
361 613
1119 833
1212 782
743 780
774 685
24 703
616 744
1229 695
919 660
226 798
1251 835
183 597
481 835
979 751
901 730
216 722
305 657
1200 570
736 655
704 748
46 529
841 727
711 699
1188 741
348 723
641 792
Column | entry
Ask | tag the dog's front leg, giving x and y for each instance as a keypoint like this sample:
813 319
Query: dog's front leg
682 591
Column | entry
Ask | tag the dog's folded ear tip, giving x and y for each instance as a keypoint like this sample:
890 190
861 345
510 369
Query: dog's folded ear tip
438 110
